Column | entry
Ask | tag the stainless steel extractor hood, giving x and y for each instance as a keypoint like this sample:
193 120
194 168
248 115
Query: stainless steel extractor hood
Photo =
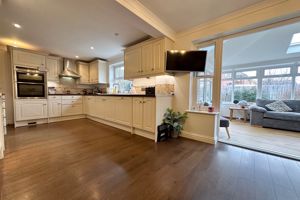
68 70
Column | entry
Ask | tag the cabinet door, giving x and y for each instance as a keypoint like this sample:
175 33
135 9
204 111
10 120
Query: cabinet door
93 72
53 67
54 108
149 114
24 58
102 72
147 59
124 110
158 56
99 110
83 70
132 63
88 105
137 113
109 108
33 109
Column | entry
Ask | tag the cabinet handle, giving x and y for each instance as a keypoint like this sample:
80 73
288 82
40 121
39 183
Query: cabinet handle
141 71
152 69
141 102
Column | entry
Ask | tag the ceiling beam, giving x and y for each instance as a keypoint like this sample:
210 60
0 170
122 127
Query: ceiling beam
138 9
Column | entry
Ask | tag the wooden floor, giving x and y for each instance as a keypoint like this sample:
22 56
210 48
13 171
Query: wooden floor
82 159
284 143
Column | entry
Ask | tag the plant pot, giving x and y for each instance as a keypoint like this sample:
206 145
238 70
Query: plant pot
174 134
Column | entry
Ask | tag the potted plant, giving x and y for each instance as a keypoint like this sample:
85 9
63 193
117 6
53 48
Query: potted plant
175 121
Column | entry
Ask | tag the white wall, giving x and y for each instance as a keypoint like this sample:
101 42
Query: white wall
238 21
6 82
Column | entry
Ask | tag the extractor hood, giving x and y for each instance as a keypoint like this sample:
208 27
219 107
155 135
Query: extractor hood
68 70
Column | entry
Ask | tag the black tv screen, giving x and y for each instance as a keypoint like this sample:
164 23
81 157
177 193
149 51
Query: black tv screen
186 61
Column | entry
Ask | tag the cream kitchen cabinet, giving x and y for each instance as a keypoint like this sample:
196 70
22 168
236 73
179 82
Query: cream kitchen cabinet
133 63
29 59
137 112
98 72
144 113
123 110
89 105
54 106
31 109
54 68
105 108
83 70
146 58
71 105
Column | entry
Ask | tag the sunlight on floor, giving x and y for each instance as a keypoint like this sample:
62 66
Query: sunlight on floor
285 143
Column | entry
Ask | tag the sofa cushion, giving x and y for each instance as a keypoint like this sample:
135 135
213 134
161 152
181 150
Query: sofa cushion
293 104
279 106
289 116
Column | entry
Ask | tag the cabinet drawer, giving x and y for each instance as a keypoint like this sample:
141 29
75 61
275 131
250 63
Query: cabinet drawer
54 97
75 109
71 101
78 97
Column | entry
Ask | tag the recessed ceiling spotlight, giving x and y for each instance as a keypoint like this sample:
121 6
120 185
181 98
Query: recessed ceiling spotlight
92 48
76 56
116 34
17 25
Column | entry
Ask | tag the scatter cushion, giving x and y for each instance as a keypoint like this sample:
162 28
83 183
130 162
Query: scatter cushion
279 106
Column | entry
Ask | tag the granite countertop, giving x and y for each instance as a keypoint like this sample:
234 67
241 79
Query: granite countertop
115 95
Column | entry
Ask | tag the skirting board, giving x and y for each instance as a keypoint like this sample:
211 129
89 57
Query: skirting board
113 124
143 133
198 137
65 118
25 122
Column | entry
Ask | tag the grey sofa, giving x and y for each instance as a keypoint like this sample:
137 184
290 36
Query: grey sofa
262 116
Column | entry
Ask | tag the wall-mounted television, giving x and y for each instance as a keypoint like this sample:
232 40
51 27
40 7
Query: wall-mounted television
186 61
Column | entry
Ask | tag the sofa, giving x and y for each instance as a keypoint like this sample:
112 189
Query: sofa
262 116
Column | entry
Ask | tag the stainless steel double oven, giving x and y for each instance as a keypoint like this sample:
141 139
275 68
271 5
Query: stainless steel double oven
30 82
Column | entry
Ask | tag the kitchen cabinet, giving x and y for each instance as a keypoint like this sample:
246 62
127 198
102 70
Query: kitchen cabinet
133 63
144 113
137 111
123 110
105 108
89 105
2 132
71 105
146 58
31 109
29 59
54 68
54 106
83 70
98 72
149 114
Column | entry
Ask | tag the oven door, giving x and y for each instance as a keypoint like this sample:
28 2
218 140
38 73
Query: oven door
31 90
30 77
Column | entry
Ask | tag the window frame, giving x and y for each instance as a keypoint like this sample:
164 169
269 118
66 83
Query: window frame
260 75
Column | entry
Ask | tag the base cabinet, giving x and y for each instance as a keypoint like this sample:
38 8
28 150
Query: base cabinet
31 109
144 114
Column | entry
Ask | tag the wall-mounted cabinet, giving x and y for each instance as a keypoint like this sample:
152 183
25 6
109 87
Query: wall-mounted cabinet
54 67
146 58
98 72
93 73
83 70
29 59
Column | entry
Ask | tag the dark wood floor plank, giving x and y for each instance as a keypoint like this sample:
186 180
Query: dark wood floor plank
82 159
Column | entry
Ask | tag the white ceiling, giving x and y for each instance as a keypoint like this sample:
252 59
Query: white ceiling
70 27
181 15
